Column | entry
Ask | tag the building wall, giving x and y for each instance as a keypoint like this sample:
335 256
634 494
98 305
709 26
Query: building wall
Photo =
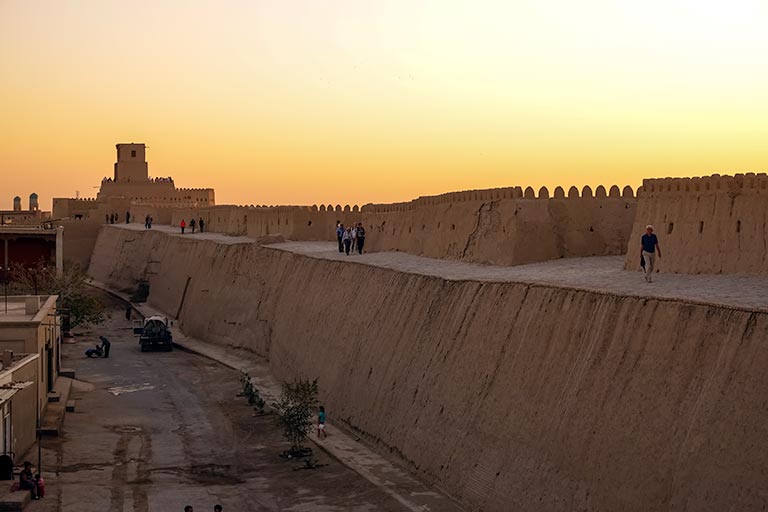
714 224
79 238
36 336
23 414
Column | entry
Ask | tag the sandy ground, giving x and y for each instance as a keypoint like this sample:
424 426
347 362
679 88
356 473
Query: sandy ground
600 274
158 431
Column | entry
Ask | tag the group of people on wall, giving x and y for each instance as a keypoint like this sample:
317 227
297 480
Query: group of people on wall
193 224
351 238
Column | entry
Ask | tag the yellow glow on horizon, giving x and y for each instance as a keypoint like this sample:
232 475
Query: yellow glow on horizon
352 102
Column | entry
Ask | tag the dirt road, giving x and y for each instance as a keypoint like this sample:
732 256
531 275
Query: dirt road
158 431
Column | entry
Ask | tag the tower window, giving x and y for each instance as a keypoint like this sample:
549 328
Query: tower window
133 153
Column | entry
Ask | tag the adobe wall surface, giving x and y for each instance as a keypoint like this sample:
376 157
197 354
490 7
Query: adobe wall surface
501 226
79 238
715 224
512 396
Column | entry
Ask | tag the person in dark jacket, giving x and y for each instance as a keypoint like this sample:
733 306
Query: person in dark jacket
105 345
360 237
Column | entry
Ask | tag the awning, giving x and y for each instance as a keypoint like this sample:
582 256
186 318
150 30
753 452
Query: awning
7 394
8 390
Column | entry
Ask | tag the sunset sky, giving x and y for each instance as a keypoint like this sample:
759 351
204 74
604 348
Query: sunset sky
288 102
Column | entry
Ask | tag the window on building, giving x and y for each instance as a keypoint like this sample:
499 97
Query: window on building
133 153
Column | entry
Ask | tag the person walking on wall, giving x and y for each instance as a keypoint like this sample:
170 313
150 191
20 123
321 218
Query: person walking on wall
151 220
346 238
182 225
127 217
360 237
201 224
649 248
192 224
353 232
340 235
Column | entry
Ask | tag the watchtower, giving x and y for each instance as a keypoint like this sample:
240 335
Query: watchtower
131 165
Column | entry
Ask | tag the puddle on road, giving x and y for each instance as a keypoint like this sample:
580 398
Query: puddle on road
131 388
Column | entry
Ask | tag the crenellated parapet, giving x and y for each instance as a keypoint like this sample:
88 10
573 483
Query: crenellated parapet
498 194
706 224
707 184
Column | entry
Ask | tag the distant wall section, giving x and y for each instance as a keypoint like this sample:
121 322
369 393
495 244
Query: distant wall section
505 226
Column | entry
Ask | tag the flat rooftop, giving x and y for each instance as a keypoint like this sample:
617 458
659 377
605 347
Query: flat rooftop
16 309
26 229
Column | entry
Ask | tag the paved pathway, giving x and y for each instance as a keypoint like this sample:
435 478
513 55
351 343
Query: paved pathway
600 274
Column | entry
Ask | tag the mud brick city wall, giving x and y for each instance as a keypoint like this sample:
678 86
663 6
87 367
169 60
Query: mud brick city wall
546 398
713 224
504 226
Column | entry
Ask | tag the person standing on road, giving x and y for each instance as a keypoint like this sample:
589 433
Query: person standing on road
201 223
360 237
340 235
182 225
127 217
192 224
105 344
649 248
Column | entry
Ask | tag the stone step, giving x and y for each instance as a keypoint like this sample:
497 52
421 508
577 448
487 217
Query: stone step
53 397
67 372
52 421
13 501
70 406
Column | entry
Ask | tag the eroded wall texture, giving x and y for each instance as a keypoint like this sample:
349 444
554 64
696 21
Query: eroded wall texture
710 225
509 396
506 226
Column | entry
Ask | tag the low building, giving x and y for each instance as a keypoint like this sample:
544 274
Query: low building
32 216
28 245
18 394
31 325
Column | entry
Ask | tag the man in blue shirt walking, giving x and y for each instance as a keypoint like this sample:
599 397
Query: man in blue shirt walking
650 248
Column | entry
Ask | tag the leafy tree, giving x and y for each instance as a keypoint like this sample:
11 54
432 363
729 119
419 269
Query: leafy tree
294 411
39 279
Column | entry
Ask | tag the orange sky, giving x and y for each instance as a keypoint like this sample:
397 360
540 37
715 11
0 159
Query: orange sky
351 102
